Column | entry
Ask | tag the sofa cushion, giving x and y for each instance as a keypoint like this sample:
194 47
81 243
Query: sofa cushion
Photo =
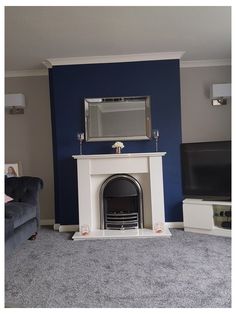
20 212
8 198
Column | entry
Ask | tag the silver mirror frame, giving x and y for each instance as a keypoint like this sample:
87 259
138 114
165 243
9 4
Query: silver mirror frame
148 134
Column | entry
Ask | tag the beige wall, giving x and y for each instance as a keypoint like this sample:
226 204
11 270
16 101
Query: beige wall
28 136
200 120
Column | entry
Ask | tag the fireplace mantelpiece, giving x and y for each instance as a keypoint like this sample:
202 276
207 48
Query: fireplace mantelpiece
93 170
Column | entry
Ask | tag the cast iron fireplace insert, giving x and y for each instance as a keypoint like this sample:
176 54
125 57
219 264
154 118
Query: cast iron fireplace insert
121 203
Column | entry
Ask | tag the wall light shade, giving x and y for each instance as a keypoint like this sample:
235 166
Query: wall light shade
15 103
220 93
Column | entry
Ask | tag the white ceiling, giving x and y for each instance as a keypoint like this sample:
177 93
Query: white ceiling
34 34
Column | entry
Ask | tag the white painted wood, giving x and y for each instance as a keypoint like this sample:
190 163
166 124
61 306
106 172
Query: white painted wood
84 193
68 228
201 201
93 170
65 228
114 58
144 180
56 227
175 224
156 186
126 165
198 217
96 182
119 156
183 64
116 234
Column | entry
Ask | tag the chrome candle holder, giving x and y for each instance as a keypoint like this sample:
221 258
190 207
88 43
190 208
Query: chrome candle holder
80 137
155 134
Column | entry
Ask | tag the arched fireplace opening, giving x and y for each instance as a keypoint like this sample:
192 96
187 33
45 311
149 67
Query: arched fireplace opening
121 203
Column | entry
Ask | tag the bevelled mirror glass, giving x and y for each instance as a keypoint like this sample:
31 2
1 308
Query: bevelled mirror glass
117 118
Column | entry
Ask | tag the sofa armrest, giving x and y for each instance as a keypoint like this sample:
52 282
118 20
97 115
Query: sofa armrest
9 227
25 189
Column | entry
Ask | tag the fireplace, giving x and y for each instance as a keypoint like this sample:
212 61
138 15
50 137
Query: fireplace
121 203
141 193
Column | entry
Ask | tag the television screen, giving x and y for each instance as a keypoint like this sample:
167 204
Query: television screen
206 170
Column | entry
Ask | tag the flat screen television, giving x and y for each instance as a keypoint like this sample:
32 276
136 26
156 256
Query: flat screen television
206 170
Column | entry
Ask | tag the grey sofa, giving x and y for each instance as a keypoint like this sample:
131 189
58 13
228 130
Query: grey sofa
22 215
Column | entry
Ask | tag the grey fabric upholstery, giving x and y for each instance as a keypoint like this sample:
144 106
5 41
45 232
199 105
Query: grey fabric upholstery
9 227
20 212
22 215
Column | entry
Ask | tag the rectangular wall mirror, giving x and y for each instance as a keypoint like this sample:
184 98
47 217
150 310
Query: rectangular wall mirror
117 118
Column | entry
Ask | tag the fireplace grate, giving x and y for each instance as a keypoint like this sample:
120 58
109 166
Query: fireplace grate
121 203
121 221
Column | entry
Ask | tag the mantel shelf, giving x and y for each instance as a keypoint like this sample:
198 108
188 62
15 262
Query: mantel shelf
125 155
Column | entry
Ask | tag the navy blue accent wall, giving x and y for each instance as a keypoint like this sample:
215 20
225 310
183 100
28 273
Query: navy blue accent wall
70 84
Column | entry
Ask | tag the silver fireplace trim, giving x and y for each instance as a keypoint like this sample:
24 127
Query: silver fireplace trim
126 176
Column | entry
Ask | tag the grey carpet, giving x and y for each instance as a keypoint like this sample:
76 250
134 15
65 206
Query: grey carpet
186 270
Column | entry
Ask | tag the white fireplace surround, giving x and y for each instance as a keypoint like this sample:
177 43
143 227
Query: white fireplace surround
93 170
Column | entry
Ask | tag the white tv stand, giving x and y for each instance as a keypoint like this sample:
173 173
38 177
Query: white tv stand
199 216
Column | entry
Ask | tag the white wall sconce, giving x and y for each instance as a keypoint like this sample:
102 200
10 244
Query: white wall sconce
15 103
220 93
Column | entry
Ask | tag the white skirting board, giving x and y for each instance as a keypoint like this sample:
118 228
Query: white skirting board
68 228
47 222
175 224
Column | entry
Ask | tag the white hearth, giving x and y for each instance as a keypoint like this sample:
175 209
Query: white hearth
93 170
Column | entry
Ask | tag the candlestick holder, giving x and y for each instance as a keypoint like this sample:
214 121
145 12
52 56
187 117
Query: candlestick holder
80 137
155 134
